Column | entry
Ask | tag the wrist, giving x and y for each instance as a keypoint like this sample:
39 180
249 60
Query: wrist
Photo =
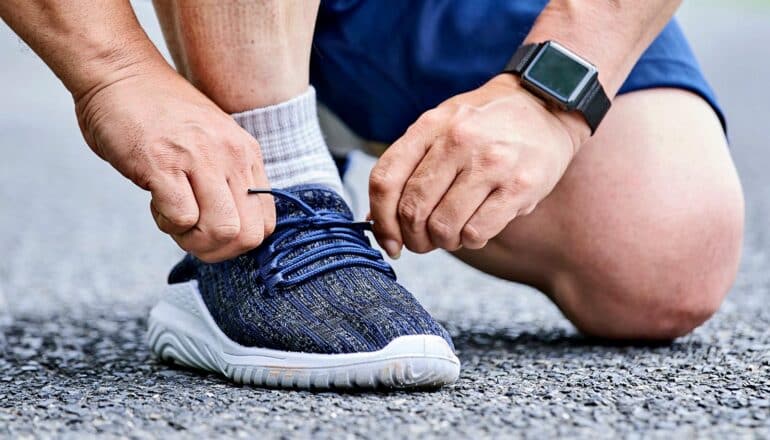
104 64
563 22
572 122
612 37
85 43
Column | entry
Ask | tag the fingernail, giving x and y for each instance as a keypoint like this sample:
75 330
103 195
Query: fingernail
393 248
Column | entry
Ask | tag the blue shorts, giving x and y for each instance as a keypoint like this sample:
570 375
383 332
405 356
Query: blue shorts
379 65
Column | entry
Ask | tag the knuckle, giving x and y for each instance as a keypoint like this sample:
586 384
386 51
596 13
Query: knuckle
183 220
169 156
491 158
472 235
380 179
522 181
441 231
225 232
237 152
464 109
195 136
429 118
459 134
251 242
409 211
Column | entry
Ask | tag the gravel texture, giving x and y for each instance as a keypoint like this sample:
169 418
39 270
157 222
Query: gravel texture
83 264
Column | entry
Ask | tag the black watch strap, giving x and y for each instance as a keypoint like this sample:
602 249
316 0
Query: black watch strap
522 57
594 103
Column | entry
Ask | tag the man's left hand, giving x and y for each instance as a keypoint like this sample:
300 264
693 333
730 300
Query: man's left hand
464 170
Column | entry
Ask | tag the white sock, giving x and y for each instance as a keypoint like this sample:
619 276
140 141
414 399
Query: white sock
292 144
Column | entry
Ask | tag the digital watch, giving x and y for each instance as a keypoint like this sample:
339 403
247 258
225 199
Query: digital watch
561 77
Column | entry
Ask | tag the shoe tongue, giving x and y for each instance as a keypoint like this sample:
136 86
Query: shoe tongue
318 197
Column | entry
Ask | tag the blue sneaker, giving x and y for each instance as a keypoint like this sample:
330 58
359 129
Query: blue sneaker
314 306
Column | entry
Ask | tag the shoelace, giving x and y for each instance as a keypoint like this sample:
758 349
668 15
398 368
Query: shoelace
276 269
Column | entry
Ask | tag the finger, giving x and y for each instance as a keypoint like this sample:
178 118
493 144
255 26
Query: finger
387 181
422 193
173 204
460 202
252 229
250 210
494 214
218 222
266 200
253 211
249 238
249 213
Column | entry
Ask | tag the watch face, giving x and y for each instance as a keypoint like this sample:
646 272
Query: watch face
559 73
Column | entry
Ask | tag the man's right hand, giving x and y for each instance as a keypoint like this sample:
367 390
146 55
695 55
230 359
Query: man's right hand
168 138
152 125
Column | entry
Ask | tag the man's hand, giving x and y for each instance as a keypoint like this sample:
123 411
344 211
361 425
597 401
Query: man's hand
152 125
168 138
467 168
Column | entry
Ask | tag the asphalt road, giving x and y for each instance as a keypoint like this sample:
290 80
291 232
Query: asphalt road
82 264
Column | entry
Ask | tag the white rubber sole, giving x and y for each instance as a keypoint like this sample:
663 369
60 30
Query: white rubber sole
182 330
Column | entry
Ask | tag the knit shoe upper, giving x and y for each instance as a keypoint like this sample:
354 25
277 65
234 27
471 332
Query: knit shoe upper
315 285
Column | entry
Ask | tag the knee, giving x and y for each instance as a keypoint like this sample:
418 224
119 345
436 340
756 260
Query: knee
660 282
669 313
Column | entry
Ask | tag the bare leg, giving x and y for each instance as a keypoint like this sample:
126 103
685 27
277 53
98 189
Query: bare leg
241 54
642 237
248 56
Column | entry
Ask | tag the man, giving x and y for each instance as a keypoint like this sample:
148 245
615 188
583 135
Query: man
504 151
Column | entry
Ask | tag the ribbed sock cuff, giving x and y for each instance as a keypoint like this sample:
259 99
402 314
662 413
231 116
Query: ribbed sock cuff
292 144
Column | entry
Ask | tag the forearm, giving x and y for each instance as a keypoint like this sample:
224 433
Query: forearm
611 34
85 43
